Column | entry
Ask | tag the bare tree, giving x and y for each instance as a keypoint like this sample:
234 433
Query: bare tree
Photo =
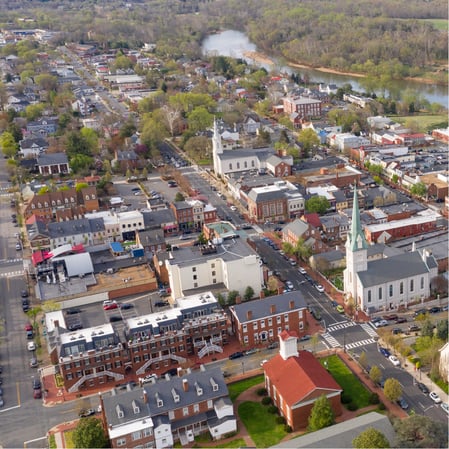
171 115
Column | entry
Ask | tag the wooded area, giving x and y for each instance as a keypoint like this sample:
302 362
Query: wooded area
397 38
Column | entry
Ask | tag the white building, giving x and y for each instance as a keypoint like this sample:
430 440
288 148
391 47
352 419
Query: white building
230 263
387 283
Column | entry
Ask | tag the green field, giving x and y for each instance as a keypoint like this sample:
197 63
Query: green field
239 387
438 24
425 121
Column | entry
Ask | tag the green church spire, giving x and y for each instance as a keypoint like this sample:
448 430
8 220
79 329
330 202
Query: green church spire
356 236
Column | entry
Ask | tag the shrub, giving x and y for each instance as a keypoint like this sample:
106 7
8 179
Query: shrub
352 406
381 406
262 392
287 428
374 398
280 420
345 398
266 400
272 409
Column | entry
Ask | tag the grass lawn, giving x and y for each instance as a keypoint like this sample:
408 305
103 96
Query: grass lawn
68 438
347 380
239 442
425 121
260 424
239 387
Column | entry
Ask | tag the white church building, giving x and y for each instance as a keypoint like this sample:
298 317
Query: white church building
388 283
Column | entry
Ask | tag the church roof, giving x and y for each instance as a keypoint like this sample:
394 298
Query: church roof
393 268
261 153
356 235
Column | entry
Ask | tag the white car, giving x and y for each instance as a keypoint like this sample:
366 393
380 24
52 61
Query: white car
394 360
435 398
320 288
31 346
381 323
233 208
445 407
262 363
302 271
289 285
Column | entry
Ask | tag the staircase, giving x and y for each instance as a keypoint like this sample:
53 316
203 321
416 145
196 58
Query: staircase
208 349
78 383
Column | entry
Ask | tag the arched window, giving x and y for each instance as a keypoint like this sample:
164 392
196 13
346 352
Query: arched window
412 285
401 288
230 166
390 289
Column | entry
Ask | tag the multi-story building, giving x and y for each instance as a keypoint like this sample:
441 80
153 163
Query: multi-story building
267 204
176 408
63 204
93 357
262 321
183 211
307 108
228 264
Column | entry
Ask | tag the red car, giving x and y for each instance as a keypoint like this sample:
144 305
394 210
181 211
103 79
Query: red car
28 327
109 305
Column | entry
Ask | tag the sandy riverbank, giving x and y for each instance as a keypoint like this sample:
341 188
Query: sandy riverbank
261 58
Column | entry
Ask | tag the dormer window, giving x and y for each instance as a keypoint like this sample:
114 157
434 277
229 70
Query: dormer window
136 408
46 204
72 200
53 203
119 410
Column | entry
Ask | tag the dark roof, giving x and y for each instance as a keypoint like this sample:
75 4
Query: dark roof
393 268
157 218
261 307
127 155
266 196
167 391
52 158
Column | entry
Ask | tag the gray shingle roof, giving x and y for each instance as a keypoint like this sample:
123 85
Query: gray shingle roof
266 196
261 307
297 227
393 268
52 158
165 390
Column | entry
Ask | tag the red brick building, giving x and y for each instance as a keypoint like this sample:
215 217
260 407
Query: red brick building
260 321
295 380
307 108
267 203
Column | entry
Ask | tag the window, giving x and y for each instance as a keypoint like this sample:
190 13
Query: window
412 285
262 324
212 265
213 273
136 435
380 293
193 269
238 165
121 442
422 282
196 408
209 404
255 326
286 317
185 411
390 290
171 415
278 319
244 328
369 295
401 288
194 277
245 339
270 321
230 166
147 432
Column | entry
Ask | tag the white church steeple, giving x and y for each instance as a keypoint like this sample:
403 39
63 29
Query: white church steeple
288 346
217 148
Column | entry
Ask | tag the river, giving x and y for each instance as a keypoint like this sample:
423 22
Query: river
236 44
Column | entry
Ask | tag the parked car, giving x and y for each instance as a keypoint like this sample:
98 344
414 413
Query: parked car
18 246
171 372
305 337
236 355
289 285
31 346
251 351
401 319
376 319
84 413
30 335
390 317
396 331
109 305
115 318
435 398
72 311
403 403
384 351
33 362
319 287
414 328
315 313
423 388
381 323
420 312
126 305
292 262
37 394
36 383
394 360
435 309
273 345
302 270
24 293
262 363
161 303
340 309
445 407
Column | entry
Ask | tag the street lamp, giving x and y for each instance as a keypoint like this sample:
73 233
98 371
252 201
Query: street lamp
243 367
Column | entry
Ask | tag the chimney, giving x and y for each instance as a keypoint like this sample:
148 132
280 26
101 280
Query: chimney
145 397
272 309
238 299
291 305
280 290
56 323
179 372
262 294
185 384
249 315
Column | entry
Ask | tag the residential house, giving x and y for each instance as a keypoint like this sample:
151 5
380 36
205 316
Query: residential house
53 164
173 409
32 147
44 126
300 230
164 219
296 379
152 241
329 260
126 160
335 227
261 321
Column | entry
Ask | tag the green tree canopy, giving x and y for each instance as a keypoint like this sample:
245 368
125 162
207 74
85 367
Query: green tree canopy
318 204
179 197
8 144
442 329
199 119
249 293
321 415
90 433
308 138
34 111
420 431
370 438
375 374
392 389
80 162
418 189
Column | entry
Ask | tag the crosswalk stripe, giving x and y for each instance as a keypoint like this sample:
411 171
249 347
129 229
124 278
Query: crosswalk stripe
342 325
368 329
11 274
331 340
357 344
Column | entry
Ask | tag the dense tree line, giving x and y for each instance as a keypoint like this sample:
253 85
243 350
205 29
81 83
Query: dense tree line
396 39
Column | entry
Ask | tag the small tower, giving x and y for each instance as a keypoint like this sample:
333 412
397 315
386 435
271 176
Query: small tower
288 346
217 148
356 251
